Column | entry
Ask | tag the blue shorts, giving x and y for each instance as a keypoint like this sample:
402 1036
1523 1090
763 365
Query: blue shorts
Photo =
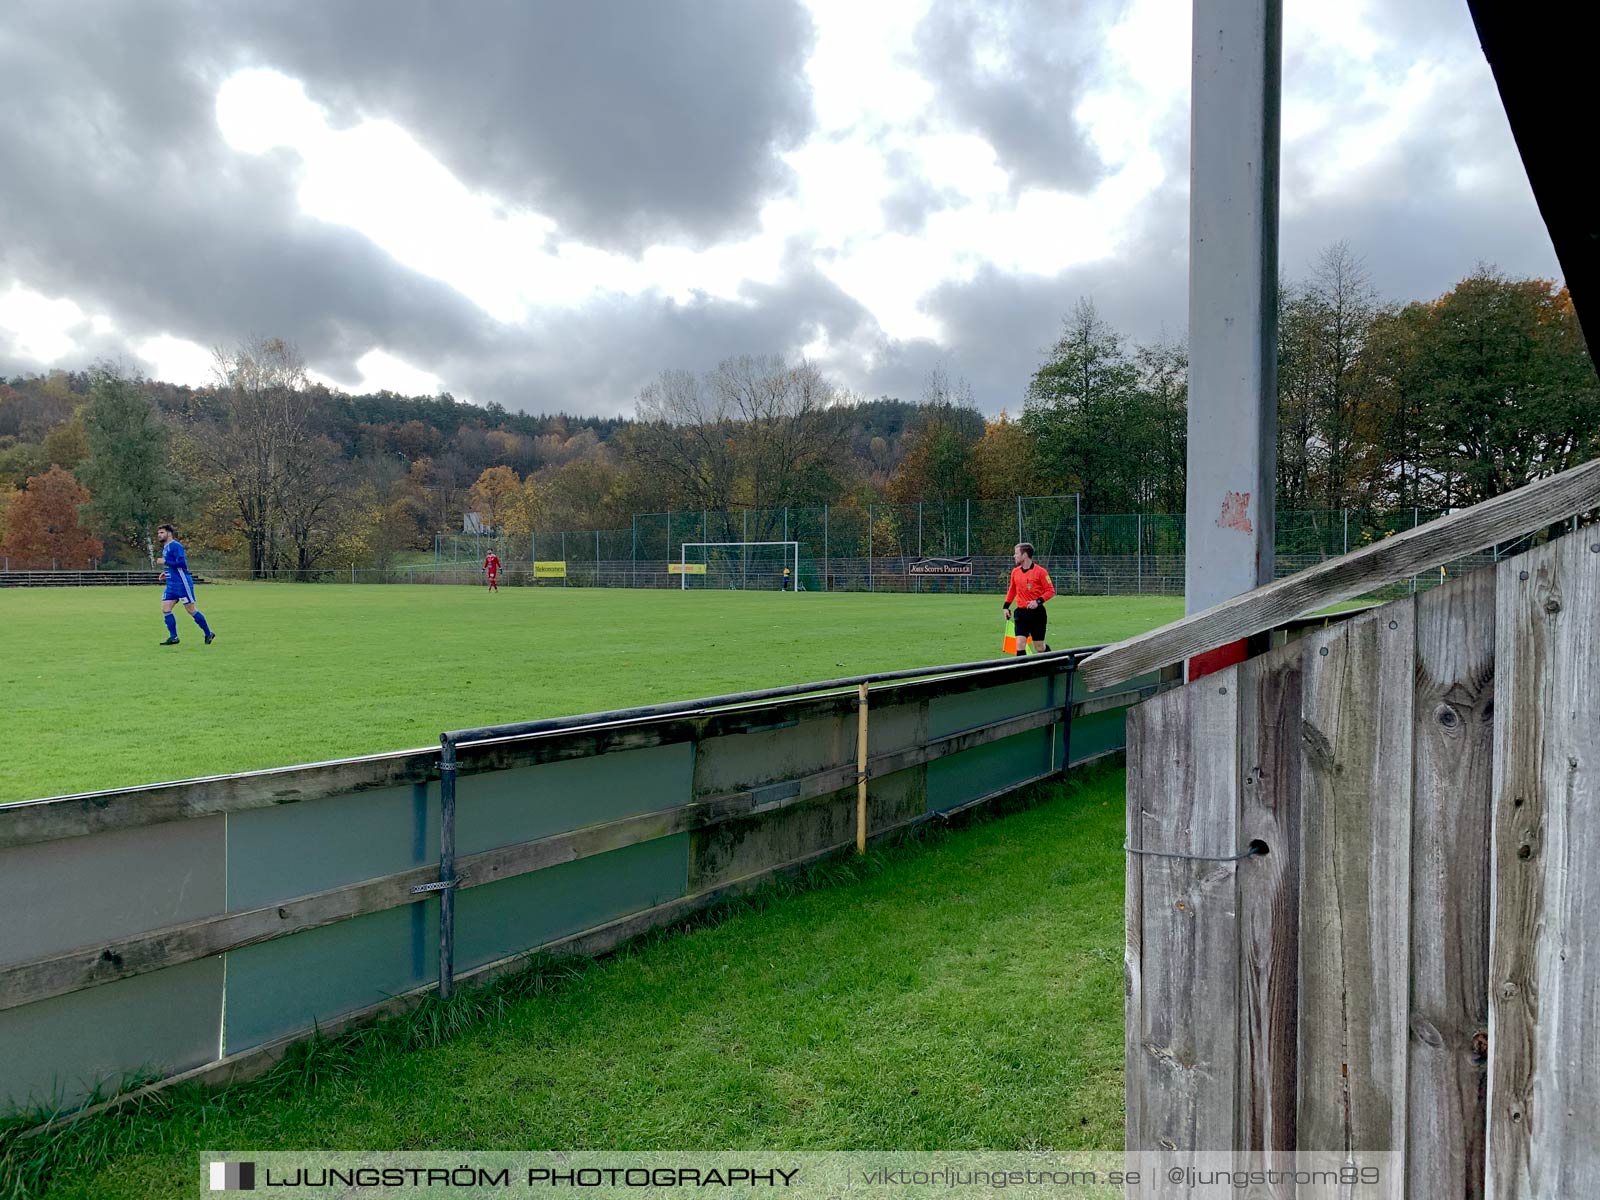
180 587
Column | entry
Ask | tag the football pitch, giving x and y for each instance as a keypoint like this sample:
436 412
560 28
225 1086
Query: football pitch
303 673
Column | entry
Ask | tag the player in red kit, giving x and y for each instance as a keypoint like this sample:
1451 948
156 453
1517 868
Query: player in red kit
1030 588
491 568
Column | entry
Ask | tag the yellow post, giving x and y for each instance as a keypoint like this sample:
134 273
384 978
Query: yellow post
861 771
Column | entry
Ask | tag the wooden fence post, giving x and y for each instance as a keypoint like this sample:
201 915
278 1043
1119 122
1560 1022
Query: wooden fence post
1355 796
1543 1100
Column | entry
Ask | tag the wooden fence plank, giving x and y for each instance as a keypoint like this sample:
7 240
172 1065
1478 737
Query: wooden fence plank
1184 801
1269 901
1543 1097
1453 743
1146 737
1355 827
1507 516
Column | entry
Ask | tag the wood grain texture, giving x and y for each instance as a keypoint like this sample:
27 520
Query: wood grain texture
1452 742
1269 902
1416 550
1544 1073
1355 795
1183 799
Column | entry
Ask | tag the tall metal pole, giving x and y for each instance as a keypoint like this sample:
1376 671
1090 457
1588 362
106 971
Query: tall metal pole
563 558
1233 306
824 547
1077 540
872 585
597 558
1020 538
635 569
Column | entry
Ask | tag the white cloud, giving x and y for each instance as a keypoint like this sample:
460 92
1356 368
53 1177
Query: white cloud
178 360
382 371
42 327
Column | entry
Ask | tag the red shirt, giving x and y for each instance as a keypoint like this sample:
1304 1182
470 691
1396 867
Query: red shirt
1032 584
491 564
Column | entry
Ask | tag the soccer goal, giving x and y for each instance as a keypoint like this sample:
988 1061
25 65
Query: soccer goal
740 565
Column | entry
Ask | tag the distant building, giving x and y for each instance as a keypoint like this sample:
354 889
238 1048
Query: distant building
473 523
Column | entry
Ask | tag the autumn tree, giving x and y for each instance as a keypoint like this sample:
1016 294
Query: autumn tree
66 445
523 512
1003 460
492 495
264 426
1513 393
43 531
938 462
755 433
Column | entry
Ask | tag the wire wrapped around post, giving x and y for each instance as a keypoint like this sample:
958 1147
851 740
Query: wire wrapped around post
861 770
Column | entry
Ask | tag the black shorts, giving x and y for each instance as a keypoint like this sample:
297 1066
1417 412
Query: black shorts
1030 622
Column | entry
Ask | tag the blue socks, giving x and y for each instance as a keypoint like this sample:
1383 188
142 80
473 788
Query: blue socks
201 621
172 624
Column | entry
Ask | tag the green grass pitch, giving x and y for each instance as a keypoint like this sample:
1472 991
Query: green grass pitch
304 673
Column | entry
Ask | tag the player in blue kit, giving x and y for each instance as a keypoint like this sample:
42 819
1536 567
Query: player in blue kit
180 586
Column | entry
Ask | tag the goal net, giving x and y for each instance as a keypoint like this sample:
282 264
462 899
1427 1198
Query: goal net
740 565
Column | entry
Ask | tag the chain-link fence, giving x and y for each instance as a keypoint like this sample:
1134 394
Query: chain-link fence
871 547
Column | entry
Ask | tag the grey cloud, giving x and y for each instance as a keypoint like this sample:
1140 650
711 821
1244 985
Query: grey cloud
123 197
1045 51
595 358
1000 326
626 123
119 193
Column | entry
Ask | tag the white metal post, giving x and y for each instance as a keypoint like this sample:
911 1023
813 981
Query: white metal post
1077 539
1233 301
824 547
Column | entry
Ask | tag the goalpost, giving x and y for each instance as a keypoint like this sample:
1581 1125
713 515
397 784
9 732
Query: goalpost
740 565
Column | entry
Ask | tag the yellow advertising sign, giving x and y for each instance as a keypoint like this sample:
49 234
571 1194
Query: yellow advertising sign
686 568
550 570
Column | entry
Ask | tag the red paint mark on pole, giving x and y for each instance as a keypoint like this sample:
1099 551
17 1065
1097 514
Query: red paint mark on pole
1235 512
1215 660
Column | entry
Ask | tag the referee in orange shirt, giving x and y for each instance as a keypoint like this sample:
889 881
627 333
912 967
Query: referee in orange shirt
1030 588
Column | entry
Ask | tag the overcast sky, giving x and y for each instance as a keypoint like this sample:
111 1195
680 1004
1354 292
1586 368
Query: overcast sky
547 203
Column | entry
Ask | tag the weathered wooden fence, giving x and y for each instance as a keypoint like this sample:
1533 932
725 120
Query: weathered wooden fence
201 927
1363 885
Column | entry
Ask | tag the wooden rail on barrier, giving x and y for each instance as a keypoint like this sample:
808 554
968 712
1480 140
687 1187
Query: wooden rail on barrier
1416 550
